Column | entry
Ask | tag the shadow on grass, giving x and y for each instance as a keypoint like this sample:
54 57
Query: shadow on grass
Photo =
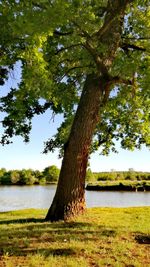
45 252
22 221
143 239
41 226
19 237
42 223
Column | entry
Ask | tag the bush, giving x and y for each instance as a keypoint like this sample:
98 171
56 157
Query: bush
51 173
89 175
107 176
126 175
2 173
42 181
27 177
5 179
14 176
39 179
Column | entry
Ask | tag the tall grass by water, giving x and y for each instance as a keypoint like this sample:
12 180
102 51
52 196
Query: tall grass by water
101 237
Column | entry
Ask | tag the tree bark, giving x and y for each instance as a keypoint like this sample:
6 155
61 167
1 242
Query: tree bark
69 199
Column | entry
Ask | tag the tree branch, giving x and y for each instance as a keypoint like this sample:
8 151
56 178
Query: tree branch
136 38
126 47
73 68
120 80
68 60
114 10
113 81
62 33
104 140
83 32
40 6
68 47
101 11
100 66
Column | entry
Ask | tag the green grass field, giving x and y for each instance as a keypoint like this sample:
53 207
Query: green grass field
101 237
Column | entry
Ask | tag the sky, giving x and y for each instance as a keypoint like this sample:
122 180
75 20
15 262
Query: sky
20 155
23 156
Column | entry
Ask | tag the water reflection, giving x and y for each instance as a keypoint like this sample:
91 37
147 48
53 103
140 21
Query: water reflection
22 197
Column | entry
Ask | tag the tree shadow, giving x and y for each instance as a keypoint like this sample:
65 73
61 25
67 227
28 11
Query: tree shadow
22 221
43 251
31 236
143 239
60 224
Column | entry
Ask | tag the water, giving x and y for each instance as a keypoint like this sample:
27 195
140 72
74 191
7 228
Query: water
22 197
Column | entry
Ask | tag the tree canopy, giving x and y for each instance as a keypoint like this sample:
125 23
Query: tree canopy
57 44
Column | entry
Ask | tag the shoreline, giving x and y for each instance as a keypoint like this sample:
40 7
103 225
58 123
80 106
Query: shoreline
127 186
120 186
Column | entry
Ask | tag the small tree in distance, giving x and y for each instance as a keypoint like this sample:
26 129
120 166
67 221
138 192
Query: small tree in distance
14 176
90 176
51 173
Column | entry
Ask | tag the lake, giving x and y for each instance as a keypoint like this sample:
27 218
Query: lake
23 197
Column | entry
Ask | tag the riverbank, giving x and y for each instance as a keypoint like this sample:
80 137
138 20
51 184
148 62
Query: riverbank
50 175
119 186
101 237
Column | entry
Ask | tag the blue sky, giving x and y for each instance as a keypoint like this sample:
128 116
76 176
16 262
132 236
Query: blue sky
20 155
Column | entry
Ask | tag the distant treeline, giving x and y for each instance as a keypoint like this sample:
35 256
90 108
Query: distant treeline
50 174
125 175
29 176
119 181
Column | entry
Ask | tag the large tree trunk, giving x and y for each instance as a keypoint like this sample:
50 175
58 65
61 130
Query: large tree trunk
69 199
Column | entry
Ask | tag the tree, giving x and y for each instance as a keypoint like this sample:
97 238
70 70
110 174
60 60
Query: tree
27 177
89 175
14 176
2 174
51 173
88 60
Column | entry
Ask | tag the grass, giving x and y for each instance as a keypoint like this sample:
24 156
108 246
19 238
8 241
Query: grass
101 237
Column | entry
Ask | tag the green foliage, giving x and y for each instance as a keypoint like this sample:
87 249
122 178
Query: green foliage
29 177
42 181
89 175
51 173
57 46
2 171
15 176
126 175
5 178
